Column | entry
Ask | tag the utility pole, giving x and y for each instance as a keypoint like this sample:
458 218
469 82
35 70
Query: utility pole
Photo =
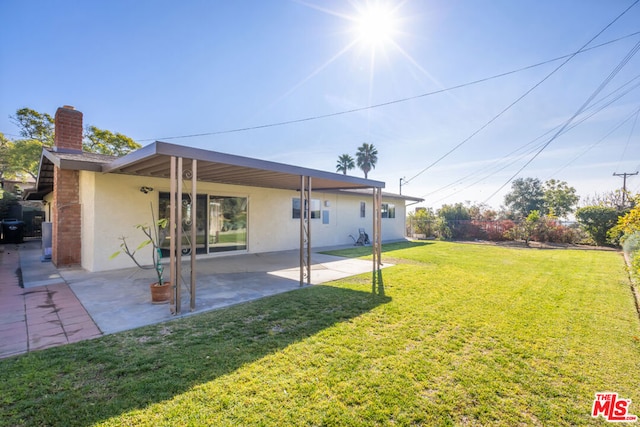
405 183
624 183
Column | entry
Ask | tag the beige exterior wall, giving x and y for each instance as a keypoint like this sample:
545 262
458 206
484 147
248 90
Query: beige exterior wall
112 205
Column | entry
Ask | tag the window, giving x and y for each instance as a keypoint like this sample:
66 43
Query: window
388 210
363 209
315 208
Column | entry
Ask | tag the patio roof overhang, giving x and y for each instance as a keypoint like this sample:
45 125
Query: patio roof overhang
165 160
154 160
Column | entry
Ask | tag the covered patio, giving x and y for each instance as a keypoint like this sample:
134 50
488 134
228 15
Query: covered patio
185 167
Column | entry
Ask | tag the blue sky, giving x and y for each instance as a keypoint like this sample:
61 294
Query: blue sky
164 69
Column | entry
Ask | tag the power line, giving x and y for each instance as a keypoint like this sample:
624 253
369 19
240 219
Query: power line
619 94
631 131
569 58
629 117
620 65
396 101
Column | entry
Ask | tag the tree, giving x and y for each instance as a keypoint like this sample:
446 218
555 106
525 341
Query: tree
530 225
597 221
22 156
422 221
612 199
345 163
482 212
526 195
7 200
559 199
367 157
627 231
34 125
454 221
5 146
457 212
101 141
629 223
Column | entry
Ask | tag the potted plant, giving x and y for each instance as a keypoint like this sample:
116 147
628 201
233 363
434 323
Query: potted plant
160 290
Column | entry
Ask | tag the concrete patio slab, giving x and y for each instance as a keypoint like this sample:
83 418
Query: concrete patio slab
119 300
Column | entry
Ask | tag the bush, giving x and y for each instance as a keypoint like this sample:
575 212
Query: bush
631 247
496 231
597 221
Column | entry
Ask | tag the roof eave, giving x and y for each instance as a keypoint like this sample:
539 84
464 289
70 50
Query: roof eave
160 148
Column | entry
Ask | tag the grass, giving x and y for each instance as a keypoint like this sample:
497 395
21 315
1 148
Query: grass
465 335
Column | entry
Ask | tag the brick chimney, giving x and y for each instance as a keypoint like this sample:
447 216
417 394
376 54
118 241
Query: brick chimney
66 208
68 130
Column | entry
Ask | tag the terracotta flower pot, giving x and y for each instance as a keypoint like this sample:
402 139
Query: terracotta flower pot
160 294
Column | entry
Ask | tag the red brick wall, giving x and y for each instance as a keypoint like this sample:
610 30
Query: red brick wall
66 209
67 218
68 130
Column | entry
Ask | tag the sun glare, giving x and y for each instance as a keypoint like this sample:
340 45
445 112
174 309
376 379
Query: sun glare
376 25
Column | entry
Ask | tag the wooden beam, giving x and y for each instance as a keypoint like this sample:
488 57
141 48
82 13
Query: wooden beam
172 234
194 217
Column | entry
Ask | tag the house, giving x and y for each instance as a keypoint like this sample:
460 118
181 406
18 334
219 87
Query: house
236 204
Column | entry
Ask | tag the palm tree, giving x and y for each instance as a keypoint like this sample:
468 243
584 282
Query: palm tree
345 163
367 157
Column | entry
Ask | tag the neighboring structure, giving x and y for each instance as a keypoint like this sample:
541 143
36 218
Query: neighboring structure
241 204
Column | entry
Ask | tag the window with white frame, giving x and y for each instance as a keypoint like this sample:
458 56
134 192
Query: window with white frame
388 210
295 208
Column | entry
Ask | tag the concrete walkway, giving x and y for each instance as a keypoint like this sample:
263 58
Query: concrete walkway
57 307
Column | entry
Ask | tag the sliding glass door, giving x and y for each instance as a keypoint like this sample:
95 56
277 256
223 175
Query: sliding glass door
221 223
227 223
187 217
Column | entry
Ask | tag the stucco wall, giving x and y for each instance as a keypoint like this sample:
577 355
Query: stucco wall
112 205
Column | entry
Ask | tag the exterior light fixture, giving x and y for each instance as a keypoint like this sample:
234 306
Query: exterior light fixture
146 190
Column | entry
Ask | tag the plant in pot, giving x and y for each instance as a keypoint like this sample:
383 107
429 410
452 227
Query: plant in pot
160 290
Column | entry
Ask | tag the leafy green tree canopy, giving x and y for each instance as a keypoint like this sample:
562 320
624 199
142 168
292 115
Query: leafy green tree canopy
33 125
22 156
454 212
102 141
597 221
559 198
629 223
554 198
526 195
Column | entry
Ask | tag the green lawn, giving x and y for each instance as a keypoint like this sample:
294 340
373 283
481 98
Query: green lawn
464 335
